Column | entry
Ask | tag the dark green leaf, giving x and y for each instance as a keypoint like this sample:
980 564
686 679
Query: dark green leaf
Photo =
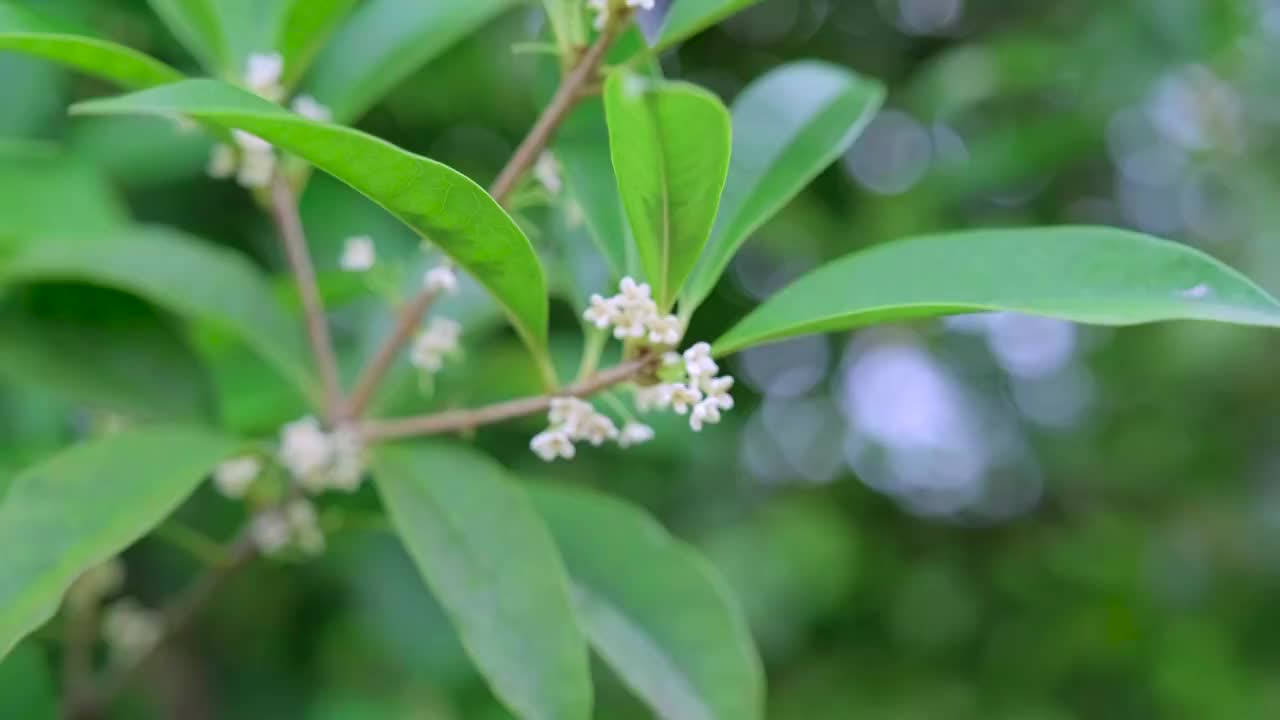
654 609
173 271
438 202
488 558
670 144
787 127
85 505
23 31
27 690
385 42
1095 275
197 25
51 195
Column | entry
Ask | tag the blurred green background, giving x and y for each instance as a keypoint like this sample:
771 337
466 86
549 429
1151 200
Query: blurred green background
990 517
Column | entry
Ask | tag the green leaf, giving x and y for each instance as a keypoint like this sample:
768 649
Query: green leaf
176 272
85 505
488 558
690 17
385 42
670 144
24 31
568 24
139 366
49 194
654 609
1095 275
27 689
438 202
306 26
788 126
198 26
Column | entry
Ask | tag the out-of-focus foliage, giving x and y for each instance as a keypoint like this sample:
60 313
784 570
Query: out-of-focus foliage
990 517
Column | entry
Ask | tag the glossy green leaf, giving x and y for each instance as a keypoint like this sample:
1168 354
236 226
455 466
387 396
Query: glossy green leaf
26 32
443 205
307 24
197 25
787 127
670 144
690 17
654 609
85 505
385 42
1095 275
173 271
27 688
489 560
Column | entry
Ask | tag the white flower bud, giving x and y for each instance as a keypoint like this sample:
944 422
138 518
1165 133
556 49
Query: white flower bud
233 477
311 109
547 172
432 345
263 73
358 254
222 162
698 362
270 532
305 451
552 444
683 397
129 629
602 312
441 279
634 433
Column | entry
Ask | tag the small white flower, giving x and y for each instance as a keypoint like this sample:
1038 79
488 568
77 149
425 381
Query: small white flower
249 142
717 391
233 477
664 330
263 73
552 444
698 362
256 170
432 345
597 428
634 292
311 109
656 397
306 451
634 433
129 629
602 313
222 162
547 172
270 532
707 412
683 397
347 466
441 279
570 414
358 254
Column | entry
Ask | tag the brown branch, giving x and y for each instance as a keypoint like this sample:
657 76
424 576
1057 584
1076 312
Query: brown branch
460 420
573 89
284 211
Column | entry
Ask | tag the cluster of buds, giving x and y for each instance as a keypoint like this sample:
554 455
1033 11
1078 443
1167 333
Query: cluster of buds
441 338
605 8
634 315
250 159
295 525
574 420
358 254
692 386
319 460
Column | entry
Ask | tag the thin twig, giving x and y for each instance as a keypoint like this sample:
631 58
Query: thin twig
572 91
460 420
406 322
179 614
284 210
81 633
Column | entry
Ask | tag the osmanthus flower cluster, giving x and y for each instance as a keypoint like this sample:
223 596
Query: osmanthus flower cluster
688 384
250 159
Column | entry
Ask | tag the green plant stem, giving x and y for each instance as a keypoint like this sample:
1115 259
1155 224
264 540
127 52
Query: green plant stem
572 90
284 211
463 420
593 344
198 545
